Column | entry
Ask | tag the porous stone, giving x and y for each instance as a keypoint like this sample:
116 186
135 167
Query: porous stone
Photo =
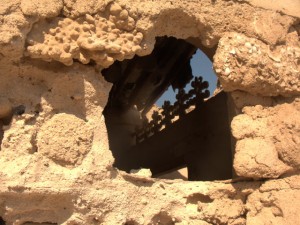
258 68
98 38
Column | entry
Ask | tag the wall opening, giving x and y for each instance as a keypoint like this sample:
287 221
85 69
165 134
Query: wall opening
201 66
193 132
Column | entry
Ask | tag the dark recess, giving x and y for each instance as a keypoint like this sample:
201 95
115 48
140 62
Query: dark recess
199 140
2 222
5 121
142 80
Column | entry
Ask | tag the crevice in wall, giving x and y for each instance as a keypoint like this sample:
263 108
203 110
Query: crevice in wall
33 143
198 197
199 136
19 110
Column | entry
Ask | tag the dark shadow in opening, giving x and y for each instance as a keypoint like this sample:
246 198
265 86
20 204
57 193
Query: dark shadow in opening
199 140
138 83
198 197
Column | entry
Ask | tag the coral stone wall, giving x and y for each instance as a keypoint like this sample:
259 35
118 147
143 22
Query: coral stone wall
55 162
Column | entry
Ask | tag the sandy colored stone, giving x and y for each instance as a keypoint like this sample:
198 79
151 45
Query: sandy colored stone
250 65
98 38
65 139
289 7
274 202
55 162
82 7
142 173
179 19
258 158
41 8
14 26
274 129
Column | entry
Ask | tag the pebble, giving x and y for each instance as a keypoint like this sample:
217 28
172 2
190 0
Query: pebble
233 52
115 9
248 45
227 71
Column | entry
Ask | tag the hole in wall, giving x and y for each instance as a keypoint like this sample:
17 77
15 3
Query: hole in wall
198 197
19 110
201 66
198 139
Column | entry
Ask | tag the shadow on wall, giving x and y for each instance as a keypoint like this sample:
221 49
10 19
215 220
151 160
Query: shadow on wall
64 93
63 88
1 133
6 114
199 140
2 222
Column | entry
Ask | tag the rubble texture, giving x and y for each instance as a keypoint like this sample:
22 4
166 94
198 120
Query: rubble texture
55 162
86 38
276 71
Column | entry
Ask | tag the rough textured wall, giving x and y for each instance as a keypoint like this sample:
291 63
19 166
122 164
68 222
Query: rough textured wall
55 163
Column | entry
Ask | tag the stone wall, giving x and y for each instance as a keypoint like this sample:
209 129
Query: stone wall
55 162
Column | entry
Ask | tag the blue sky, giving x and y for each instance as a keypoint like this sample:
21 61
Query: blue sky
201 66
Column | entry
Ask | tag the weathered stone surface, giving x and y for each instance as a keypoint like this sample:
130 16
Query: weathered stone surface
81 7
86 38
267 139
289 7
276 202
65 139
41 8
119 201
55 99
250 65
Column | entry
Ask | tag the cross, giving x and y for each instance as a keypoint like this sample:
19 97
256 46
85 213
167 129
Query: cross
168 113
